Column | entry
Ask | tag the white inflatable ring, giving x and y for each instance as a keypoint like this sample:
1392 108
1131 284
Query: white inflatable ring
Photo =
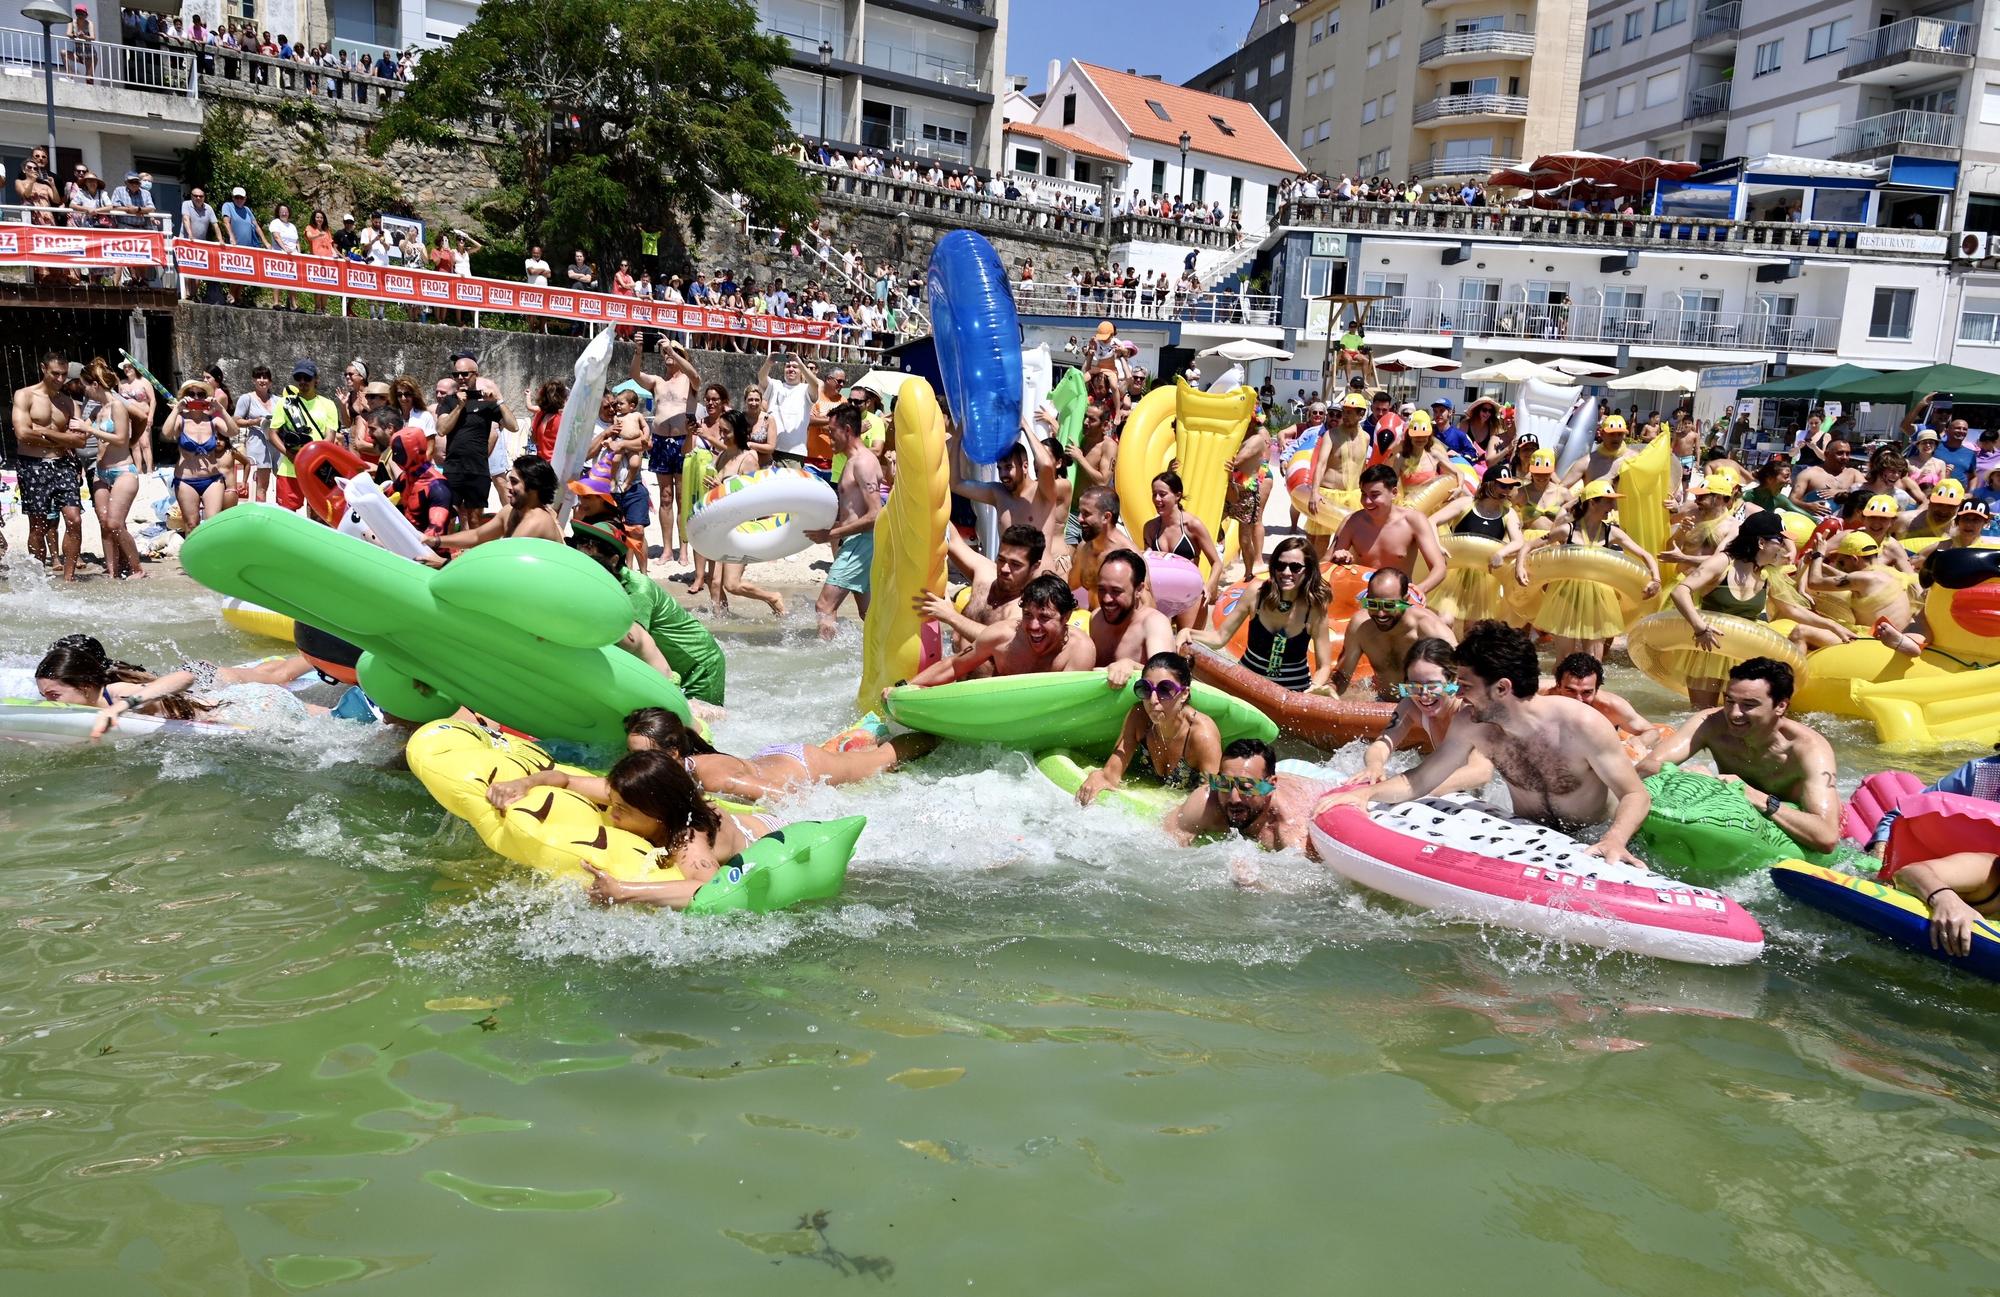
757 517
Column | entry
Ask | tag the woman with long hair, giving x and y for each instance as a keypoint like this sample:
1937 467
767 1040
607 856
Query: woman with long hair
318 236
1163 736
1286 615
727 433
545 423
202 430
115 484
1178 532
407 395
1745 579
1249 487
77 670
284 238
1427 703
139 396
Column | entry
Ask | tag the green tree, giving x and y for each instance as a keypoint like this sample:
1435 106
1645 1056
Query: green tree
621 116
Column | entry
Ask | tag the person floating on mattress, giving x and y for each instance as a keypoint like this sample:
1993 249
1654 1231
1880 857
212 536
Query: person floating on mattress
1979 777
1163 736
77 670
1384 631
1960 889
1581 676
1249 798
651 794
1785 768
1562 763
1384 534
1040 639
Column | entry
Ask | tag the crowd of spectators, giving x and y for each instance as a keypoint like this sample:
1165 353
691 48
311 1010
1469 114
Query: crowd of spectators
320 70
1465 192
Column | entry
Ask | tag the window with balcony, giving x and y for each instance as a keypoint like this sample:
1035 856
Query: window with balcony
1827 38
1593 110
1628 100
1894 308
1376 285
1389 104
1769 57
1368 112
1600 38
1980 321
1635 26
1458 150
1475 86
1668 12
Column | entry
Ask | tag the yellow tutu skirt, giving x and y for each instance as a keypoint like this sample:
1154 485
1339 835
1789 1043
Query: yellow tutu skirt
1582 610
1468 595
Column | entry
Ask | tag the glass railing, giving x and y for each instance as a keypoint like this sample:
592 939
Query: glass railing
1472 106
1501 44
1480 166
917 63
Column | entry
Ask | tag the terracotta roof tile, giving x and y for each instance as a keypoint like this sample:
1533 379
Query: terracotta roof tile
1192 111
1066 139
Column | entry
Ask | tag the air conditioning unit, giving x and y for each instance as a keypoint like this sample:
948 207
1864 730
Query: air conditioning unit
1971 246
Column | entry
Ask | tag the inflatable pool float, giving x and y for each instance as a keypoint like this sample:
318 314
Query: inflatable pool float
1663 648
36 721
523 631
697 477
1472 589
1429 496
1056 709
557 832
254 620
1177 584
1625 575
1348 582
579 414
330 655
1139 795
761 516
323 468
978 343
1466 859
340 491
1335 504
1199 431
1878 794
1939 697
1884 910
909 547
1319 719
1700 827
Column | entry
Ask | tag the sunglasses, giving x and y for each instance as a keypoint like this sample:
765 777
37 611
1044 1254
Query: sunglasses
1241 784
466 373
1165 690
1288 567
1385 605
1428 690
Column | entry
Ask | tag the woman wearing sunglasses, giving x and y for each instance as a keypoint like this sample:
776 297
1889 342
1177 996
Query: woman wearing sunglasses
1288 613
1426 704
1163 735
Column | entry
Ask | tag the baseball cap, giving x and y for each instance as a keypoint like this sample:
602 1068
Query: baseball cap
345 217
1443 401
238 192
1949 491
1857 544
1974 508
131 175
305 369
1542 461
1880 506
1601 489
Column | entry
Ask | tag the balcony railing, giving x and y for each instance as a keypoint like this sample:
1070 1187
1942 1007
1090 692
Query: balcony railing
1718 20
1590 322
1471 106
1708 101
1496 44
98 63
1482 166
975 211
1092 302
1904 128
1935 36
1582 229
916 63
348 91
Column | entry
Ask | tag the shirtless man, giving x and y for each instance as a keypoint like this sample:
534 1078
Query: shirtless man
1581 676
1097 516
531 494
1606 457
1384 631
1126 629
1784 769
1039 640
1249 798
1338 462
1562 762
1040 502
1384 534
853 532
1816 489
51 475
673 410
1095 458
994 594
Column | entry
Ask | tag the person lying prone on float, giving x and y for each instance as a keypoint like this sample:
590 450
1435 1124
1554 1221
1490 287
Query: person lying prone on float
651 794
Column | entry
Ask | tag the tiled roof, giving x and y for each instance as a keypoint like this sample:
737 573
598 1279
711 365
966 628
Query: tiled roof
1248 137
1066 139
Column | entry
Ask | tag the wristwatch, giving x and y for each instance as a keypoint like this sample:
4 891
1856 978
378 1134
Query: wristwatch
1771 805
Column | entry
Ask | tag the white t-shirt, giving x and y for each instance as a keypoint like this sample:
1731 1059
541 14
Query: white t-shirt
538 272
284 235
790 408
378 245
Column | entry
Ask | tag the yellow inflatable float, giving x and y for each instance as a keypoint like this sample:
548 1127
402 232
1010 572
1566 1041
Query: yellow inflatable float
1202 431
1662 646
909 545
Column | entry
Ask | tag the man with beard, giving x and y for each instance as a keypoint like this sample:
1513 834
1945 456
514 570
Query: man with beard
1248 797
1784 769
1384 631
1126 629
1383 534
1606 457
1562 763
1097 517
1039 640
1020 499
1818 490
994 592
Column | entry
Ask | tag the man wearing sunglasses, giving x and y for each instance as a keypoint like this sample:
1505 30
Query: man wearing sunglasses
1384 631
1384 534
1249 798
1126 629
1040 640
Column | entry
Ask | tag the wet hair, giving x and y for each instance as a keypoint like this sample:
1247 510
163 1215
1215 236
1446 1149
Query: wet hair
1049 591
656 784
667 732
1022 536
1401 578
1435 651
1312 587
1380 474
1174 664
1173 482
1495 651
537 476
1101 498
80 662
1246 748
1581 665
1130 560
1777 677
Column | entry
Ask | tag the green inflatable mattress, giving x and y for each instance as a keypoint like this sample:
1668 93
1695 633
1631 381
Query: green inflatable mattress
1068 709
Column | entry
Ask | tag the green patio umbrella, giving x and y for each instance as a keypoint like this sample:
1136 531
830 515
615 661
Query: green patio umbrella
1908 386
1807 383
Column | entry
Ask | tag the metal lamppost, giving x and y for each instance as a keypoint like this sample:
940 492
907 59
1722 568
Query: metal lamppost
48 14
1186 140
825 63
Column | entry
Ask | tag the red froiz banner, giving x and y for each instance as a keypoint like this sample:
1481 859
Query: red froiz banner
56 245
278 270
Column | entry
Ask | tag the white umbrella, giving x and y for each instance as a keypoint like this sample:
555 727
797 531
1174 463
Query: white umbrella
1243 350
1664 379
1398 361
1516 371
885 383
1583 368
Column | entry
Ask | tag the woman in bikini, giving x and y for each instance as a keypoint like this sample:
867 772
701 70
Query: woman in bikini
115 484
1426 704
1745 579
1544 500
651 794
1163 735
1287 615
1249 488
77 670
138 393
1180 533
202 430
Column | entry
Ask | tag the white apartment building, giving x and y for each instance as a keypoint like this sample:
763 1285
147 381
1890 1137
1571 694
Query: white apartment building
1432 88
1896 88
922 78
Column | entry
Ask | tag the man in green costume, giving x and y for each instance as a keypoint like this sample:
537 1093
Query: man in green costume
663 633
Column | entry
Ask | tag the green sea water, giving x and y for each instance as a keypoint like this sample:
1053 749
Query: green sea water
270 1022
